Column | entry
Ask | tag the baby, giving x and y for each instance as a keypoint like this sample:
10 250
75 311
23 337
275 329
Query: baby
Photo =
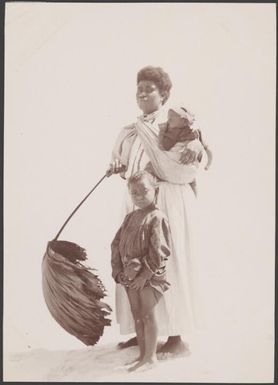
179 129
140 250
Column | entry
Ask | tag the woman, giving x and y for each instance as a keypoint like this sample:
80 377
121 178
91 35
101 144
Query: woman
136 149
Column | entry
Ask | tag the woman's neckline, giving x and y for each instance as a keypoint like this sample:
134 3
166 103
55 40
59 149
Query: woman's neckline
158 115
151 116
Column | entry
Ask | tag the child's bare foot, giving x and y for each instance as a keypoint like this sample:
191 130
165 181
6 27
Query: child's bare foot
144 364
172 348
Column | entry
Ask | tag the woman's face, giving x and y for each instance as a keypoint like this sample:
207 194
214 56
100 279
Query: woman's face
148 96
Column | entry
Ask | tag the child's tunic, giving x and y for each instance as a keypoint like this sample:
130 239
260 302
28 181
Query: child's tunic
144 235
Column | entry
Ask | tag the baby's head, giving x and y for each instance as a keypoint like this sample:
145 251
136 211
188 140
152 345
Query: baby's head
178 128
179 117
142 186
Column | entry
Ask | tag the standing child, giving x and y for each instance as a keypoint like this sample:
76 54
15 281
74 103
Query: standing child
139 253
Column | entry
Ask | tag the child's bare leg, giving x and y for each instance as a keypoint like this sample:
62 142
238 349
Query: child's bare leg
148 303
135 304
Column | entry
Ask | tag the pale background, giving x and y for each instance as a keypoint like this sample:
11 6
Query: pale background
70 83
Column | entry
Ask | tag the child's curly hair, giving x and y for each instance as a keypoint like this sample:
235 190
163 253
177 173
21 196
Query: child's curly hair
141 175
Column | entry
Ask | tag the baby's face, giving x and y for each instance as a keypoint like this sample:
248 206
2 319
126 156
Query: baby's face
142 193
175 120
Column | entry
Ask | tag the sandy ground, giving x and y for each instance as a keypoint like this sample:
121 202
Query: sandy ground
205 363
235 344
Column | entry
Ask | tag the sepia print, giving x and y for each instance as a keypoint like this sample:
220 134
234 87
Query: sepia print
139 192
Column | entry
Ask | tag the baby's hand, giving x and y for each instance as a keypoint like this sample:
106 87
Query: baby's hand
188 156
138 283
192 152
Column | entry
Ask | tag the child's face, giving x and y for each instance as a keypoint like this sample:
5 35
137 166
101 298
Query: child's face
142 193
175 120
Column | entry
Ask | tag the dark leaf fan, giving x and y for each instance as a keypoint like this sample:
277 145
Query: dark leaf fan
72 291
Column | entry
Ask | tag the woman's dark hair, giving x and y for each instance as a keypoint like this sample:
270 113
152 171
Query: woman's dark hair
159 77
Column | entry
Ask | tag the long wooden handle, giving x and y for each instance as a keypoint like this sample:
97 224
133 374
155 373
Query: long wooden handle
83 200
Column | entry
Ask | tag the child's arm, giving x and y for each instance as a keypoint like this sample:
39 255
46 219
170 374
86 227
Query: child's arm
159 246
159 251
116 261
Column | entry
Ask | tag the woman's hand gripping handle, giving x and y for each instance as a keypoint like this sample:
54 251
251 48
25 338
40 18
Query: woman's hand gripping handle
115 167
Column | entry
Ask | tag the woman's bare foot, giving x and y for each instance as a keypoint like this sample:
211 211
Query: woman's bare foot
128 343
144 364
173 347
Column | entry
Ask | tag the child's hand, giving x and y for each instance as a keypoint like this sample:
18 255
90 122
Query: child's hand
138 283
121 278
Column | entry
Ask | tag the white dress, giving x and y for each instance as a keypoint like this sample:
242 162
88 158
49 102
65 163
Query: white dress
176 311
